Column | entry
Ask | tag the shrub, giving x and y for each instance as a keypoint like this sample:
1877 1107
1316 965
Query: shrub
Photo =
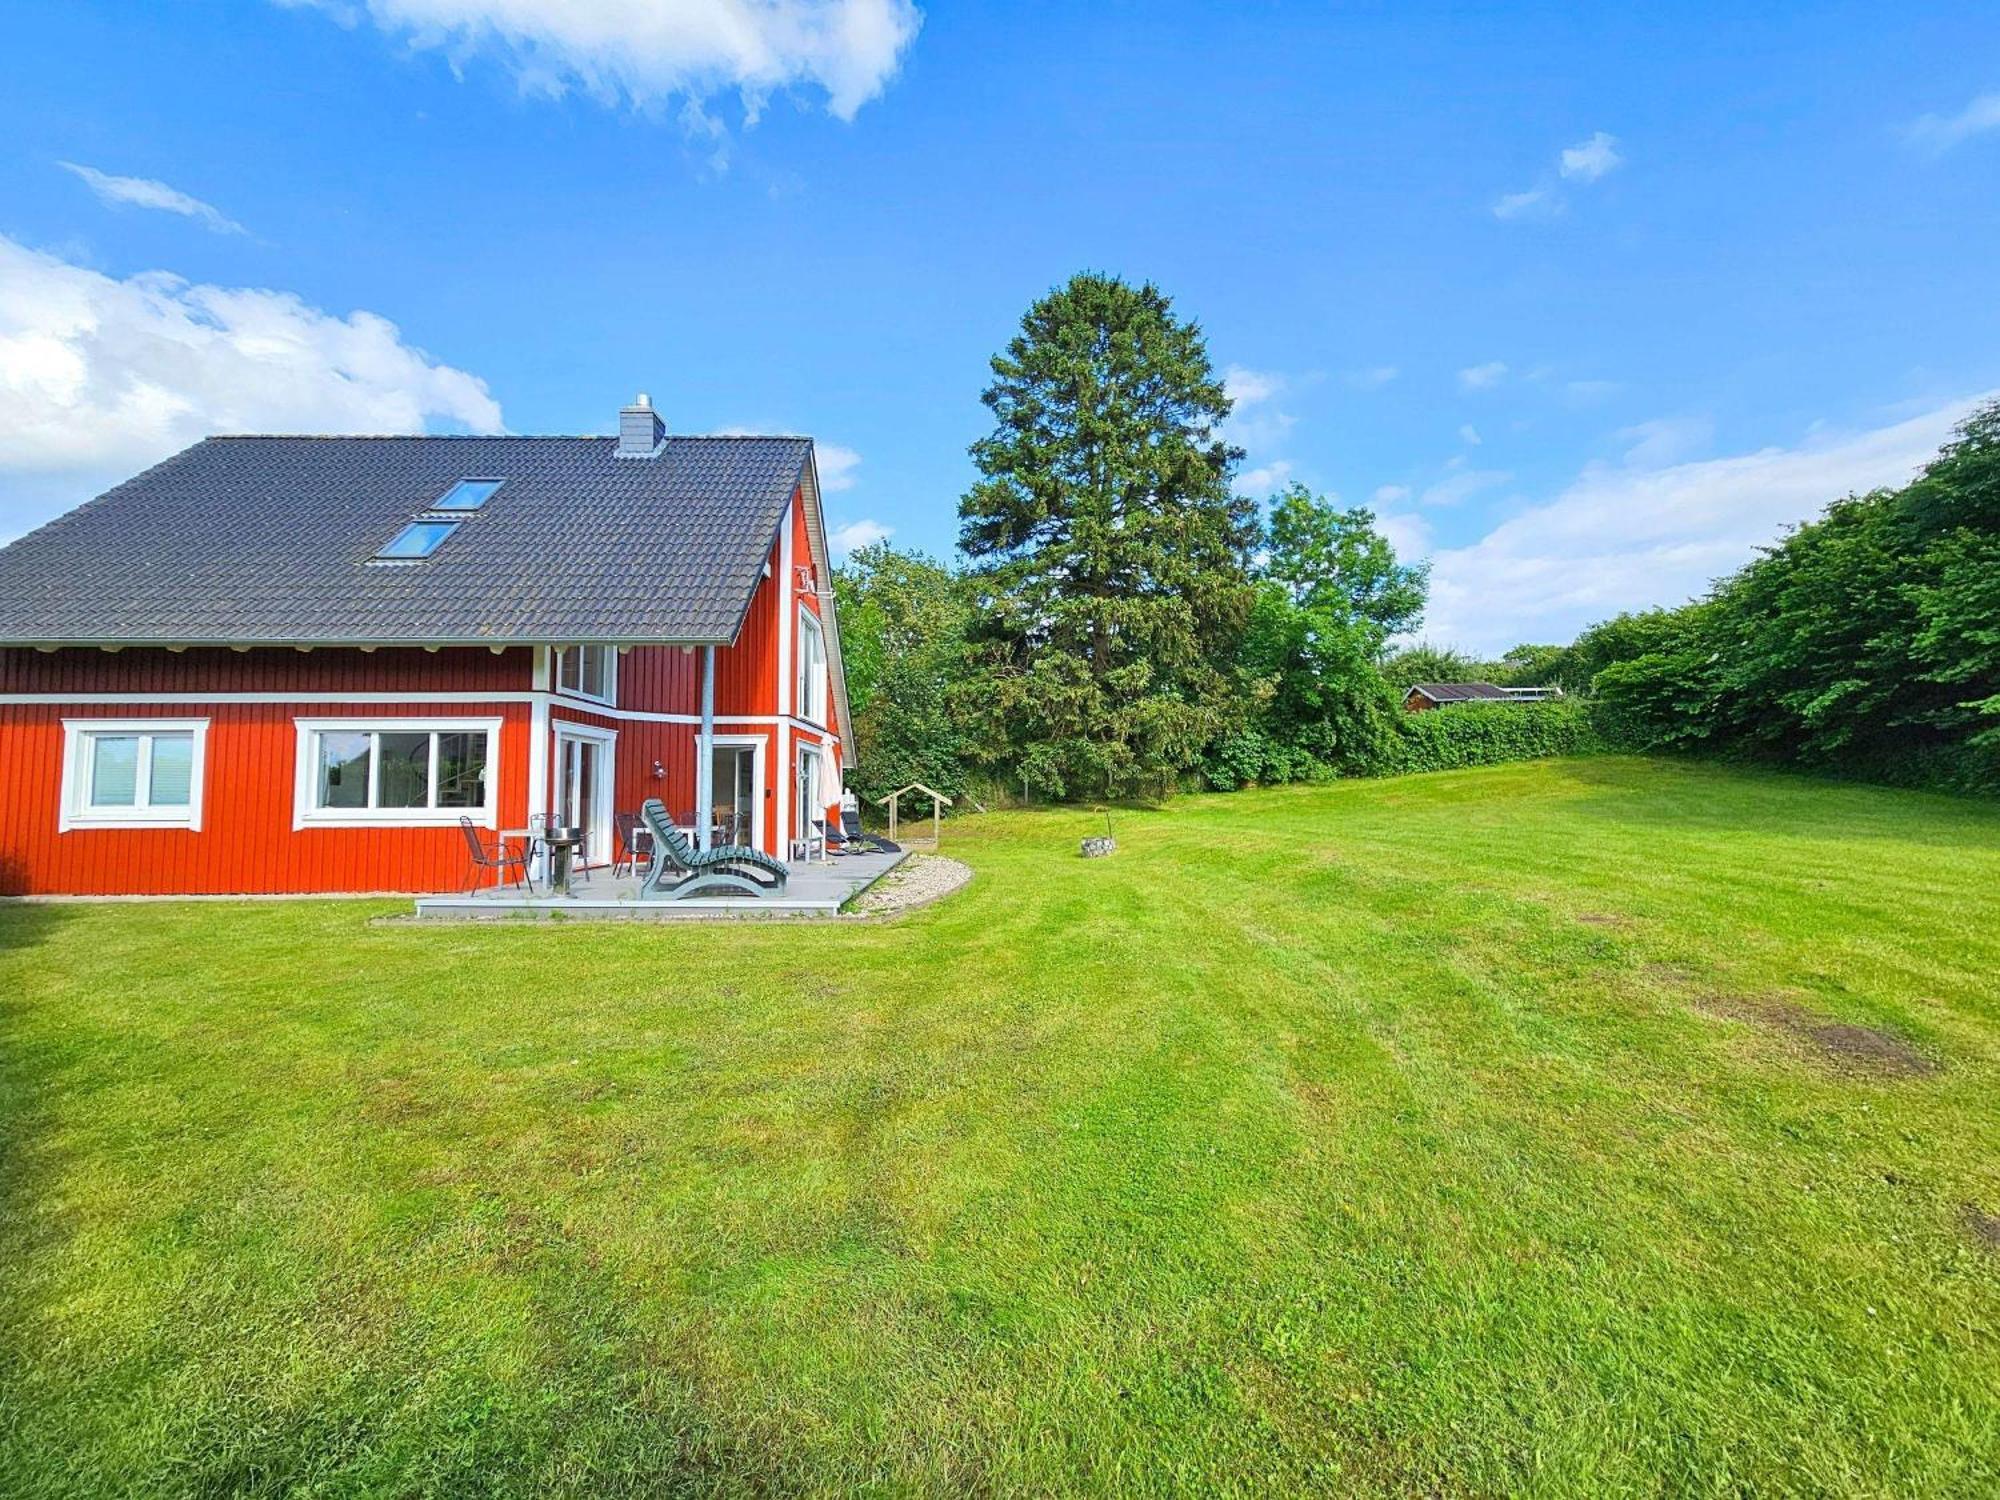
1488 734
1250 757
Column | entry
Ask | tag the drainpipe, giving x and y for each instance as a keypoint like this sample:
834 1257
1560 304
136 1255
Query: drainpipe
704 771
540 731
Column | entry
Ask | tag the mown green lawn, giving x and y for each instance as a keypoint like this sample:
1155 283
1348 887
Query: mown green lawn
1474 1133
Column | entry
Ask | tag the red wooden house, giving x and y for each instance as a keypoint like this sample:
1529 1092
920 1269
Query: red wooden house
293 664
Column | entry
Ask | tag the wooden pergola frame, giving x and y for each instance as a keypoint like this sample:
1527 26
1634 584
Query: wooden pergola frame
939 801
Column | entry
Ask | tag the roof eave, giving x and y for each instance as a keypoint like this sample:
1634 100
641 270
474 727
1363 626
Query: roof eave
100 643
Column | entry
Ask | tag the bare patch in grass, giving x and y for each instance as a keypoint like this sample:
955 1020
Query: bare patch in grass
1983 1227
1849 1048
1603 919
1314 1095
1680 976
1868 1049
396 1100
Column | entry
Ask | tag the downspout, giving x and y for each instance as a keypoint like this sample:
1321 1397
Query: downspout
788 626
538 755
704 771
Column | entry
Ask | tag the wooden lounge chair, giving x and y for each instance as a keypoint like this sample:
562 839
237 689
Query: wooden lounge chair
731 869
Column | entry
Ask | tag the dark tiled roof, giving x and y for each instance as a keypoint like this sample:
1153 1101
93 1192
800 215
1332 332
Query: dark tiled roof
1457 692
268 539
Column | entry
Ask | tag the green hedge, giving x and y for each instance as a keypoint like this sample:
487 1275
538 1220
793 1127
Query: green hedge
1487 734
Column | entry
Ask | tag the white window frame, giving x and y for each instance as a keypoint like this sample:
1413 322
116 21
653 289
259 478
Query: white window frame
807 753
560 655
305 814
603 813
74 813
811 687
758 745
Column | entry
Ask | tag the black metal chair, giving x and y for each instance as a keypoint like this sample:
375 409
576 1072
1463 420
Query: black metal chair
635 845
497 858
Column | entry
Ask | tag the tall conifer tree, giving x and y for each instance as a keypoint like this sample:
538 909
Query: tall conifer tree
1110 556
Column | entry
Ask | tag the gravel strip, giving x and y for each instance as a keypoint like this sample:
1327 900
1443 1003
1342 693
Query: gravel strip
917 881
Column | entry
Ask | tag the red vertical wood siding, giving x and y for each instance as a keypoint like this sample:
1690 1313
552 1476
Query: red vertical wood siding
247 843
151 670
809 599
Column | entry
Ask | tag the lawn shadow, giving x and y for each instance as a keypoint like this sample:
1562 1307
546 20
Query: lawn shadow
27 1122
23 924
1840 811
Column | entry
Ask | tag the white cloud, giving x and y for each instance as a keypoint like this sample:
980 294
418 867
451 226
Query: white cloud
1482 377
1267 479
145 192
1664 440
1256 425
652 51
100 377
1589 160
1463 484
1469 435
1410 535
1389 494
1522 205
1629 538
1246 387
856 535
1937 134
1582 164
836 466
1373 378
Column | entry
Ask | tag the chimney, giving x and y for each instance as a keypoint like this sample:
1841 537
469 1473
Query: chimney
640 430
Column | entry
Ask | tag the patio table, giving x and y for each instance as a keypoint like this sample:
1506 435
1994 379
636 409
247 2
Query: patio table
528 838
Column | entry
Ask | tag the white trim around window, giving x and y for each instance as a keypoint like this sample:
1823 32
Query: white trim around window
149 770
811 687
604 658
363 806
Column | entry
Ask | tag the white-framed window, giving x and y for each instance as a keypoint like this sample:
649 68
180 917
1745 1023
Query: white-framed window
588 672
132 773
368 773
811 699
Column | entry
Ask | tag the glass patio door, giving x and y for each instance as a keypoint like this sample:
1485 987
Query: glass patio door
583 791
811 805
734 783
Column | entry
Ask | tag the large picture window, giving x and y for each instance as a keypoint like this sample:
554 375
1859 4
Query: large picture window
588 672
397 771
132 773
811 699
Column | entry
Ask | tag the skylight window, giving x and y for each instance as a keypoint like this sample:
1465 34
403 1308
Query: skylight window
467 494
417 540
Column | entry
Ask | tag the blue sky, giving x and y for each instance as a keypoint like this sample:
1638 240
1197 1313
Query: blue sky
1586 305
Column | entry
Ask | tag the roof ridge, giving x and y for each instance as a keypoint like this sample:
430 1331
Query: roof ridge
496 437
